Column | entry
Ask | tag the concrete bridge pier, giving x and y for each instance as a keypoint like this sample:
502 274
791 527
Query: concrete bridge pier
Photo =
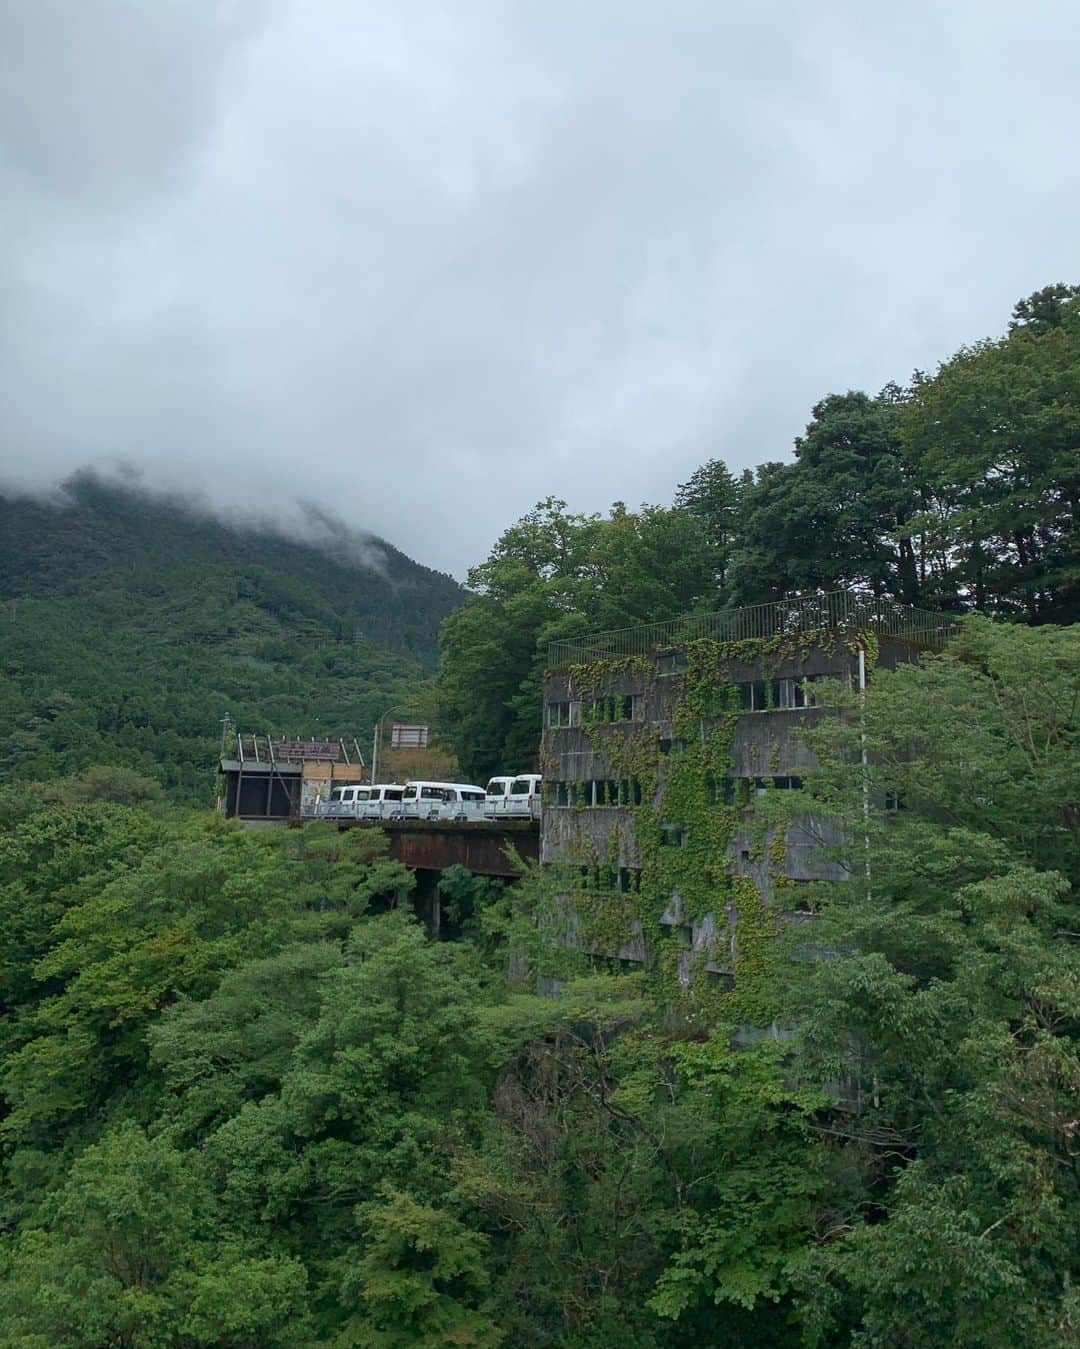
428 901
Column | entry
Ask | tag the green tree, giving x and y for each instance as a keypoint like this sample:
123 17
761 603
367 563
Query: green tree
422 1279
712 495
837 516
125 1253
951 1000
124 948
995 435
554 575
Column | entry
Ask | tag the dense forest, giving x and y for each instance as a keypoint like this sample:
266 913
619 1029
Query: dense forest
959 492
248 1102
131 624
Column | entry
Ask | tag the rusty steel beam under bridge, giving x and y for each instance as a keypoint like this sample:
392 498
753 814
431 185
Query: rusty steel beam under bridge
480 845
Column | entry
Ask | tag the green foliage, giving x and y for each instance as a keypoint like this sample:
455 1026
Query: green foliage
837 516
129 1251
714 496
132 624
418 1278
549 576
740 1240
952 998
994 436
958 492
248 1101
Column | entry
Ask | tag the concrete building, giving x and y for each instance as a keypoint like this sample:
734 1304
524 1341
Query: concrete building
616 721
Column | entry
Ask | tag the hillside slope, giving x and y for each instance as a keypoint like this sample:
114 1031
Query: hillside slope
131 624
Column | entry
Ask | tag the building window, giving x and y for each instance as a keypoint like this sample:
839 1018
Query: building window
598 878
761 695
783 784
815 700
672 835
723 700
563 713
597 792
671 662
630 880
612 707
738 791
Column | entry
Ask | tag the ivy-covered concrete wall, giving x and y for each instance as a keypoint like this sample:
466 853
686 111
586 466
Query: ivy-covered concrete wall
646 795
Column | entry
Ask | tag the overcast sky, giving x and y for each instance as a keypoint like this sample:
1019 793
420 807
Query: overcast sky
428 261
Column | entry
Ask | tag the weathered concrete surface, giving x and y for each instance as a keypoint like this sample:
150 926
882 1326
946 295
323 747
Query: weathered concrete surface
766 743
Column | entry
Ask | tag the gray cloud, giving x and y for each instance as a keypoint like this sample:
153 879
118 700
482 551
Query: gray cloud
425 263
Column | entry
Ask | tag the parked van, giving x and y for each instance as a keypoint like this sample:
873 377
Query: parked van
498 790
442 801
514 797
524 799
342 802
383 800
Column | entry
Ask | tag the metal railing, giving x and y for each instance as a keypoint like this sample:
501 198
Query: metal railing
837 609
328 810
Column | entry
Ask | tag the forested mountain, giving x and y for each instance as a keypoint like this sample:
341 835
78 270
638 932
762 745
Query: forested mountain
959 492
130 624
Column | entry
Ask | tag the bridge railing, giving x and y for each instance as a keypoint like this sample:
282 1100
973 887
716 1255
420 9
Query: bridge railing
328 810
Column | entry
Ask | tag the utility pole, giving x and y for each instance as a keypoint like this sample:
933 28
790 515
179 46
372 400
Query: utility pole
377 738
226 726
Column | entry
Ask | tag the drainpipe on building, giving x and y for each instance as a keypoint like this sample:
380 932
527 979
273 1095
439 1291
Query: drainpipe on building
865 763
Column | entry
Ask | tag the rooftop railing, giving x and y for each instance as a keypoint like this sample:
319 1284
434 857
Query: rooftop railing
837 609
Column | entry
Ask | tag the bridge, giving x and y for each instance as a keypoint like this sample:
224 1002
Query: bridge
427 848
480 845
267 788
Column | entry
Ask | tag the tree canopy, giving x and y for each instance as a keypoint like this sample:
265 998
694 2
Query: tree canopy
959 491
247 1100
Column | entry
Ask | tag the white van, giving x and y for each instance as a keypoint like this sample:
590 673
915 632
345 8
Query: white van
514 797
498 790
382 800
342 803
442 801
523 802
